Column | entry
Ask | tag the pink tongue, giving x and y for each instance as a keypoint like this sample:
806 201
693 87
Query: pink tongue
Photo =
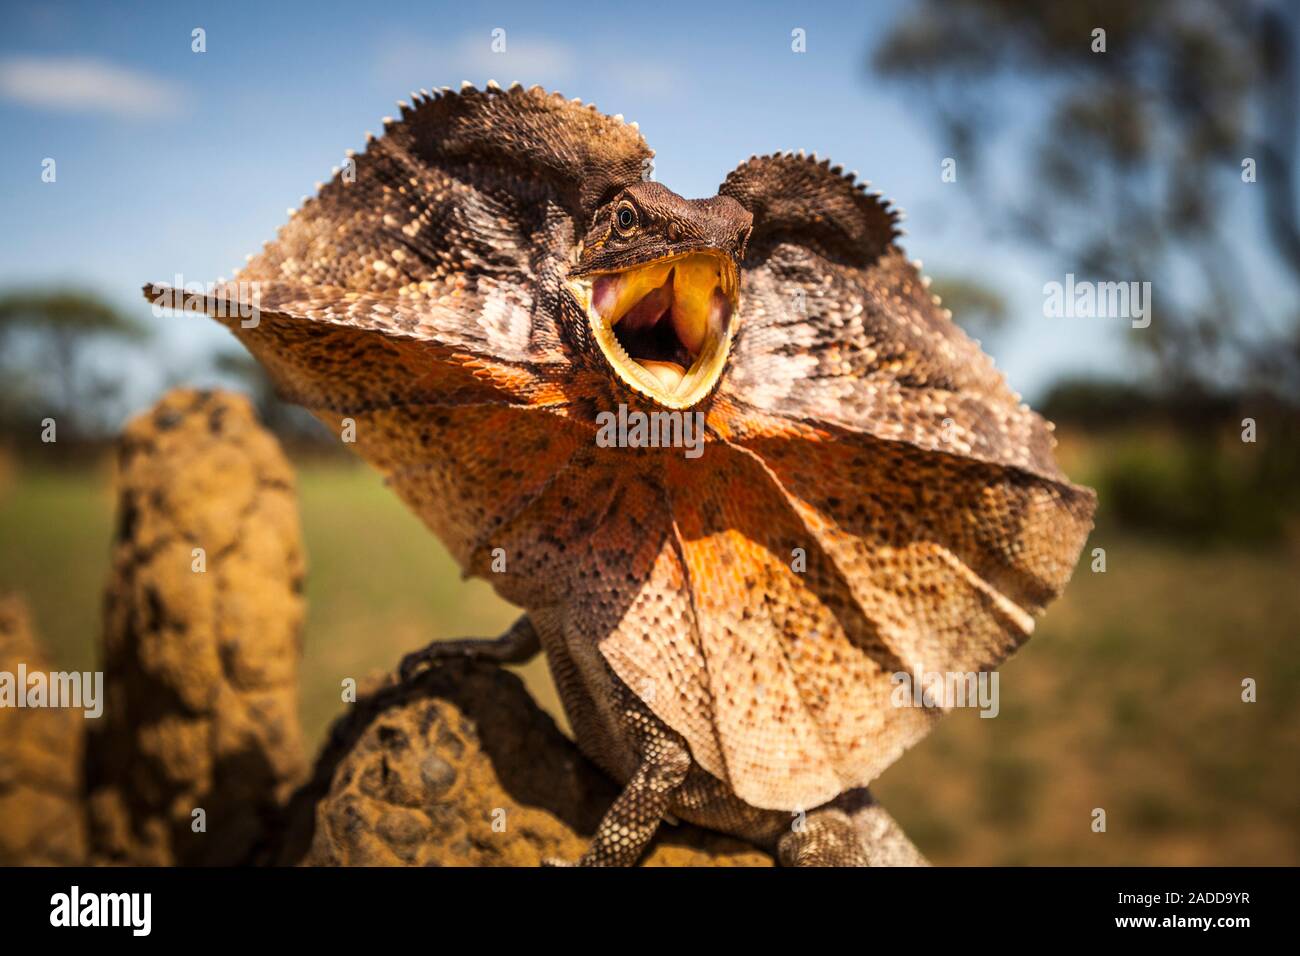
669 374
604 294
719 313
647 312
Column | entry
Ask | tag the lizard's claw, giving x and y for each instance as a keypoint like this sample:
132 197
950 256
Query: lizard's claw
414 662
550 861
516 646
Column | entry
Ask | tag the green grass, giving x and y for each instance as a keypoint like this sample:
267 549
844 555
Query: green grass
1128 697
378 583
55 529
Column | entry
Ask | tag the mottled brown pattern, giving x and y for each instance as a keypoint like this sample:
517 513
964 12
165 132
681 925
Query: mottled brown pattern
427 301
200 651
42 818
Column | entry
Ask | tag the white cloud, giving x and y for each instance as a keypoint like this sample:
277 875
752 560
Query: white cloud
527 59
81 84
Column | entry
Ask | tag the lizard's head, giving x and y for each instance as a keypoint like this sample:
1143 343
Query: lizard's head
657 278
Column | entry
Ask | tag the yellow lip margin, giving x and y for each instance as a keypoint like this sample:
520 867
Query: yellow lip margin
703 374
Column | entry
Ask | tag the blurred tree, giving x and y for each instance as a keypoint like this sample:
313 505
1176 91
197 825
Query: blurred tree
45 339
976 307
1135 160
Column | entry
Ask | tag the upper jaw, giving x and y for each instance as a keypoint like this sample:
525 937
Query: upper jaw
664 326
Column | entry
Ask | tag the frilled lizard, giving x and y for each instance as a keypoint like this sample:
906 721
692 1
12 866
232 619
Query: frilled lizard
497 270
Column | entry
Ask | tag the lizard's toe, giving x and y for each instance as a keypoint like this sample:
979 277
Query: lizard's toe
413 663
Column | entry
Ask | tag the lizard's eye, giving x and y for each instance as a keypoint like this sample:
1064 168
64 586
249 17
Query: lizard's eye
625 218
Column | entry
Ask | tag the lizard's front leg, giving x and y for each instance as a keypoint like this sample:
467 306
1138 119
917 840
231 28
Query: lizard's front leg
631 821
518 645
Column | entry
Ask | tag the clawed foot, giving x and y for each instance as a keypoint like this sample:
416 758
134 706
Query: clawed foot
434 654
516 646
414 662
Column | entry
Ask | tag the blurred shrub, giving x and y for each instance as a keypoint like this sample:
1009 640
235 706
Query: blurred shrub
1177 465
1194 488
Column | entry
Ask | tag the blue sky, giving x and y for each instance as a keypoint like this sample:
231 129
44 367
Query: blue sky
171 161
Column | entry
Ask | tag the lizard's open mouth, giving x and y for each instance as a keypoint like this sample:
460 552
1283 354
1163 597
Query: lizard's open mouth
665 326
